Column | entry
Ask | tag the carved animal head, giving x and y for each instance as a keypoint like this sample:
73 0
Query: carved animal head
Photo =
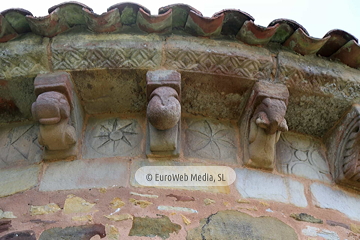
270 114
164 108
50 108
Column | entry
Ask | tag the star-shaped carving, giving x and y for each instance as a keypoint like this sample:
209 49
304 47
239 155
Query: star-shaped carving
115 134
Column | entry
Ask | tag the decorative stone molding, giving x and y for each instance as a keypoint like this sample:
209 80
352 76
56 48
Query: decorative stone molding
262 123
52 109
163 113
343 143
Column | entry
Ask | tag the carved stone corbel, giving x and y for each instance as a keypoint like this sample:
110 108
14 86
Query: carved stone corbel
163 113
343 149
54 109
262 122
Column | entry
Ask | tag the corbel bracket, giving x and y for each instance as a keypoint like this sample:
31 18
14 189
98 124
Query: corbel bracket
163 113
262 122
53 109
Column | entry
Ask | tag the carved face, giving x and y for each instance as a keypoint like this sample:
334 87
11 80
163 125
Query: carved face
270 114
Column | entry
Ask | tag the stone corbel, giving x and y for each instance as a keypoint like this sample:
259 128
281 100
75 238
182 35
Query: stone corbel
262 122
163 113
343 149
55 110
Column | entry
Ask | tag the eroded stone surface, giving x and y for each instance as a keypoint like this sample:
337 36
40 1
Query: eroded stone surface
85 232
111 51
151 227
256 184
236 225
306 218
19 145
303 156
20 235
80 174
324 233
46 209
18 179
112 137
24 56
326 197
211 140
74 204
123 92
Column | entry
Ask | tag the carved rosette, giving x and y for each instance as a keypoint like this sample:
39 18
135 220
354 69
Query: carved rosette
53 111
262 123
163 113
344 149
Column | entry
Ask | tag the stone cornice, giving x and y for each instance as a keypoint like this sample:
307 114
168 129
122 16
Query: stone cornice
218 73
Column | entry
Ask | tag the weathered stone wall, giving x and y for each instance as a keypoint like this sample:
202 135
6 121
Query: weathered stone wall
97 193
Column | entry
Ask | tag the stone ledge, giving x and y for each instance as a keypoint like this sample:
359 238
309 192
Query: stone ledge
326 197
18 179
260 185
83 174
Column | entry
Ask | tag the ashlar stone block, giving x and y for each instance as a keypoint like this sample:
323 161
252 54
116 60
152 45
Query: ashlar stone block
260 185
328 198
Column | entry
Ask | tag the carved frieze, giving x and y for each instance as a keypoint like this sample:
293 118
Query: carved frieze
343 143
52 109
262 123
163 113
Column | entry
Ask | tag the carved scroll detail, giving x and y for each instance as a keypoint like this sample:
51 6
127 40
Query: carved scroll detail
343 144
163 113
52 109
262 123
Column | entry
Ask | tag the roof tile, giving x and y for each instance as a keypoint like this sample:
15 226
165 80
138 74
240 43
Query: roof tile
106 22
7 32
48 26
253 34
301 43
336 44
180 13
16 18
338 38
203 26
349 54
233 21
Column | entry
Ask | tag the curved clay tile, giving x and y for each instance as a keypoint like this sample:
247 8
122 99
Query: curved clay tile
16 18
154 24
349 54
253 34
301 43
106 22
48 26
128 12
233 20
286 29
202 26
72 12
338 38
180 13
64 4
7 32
